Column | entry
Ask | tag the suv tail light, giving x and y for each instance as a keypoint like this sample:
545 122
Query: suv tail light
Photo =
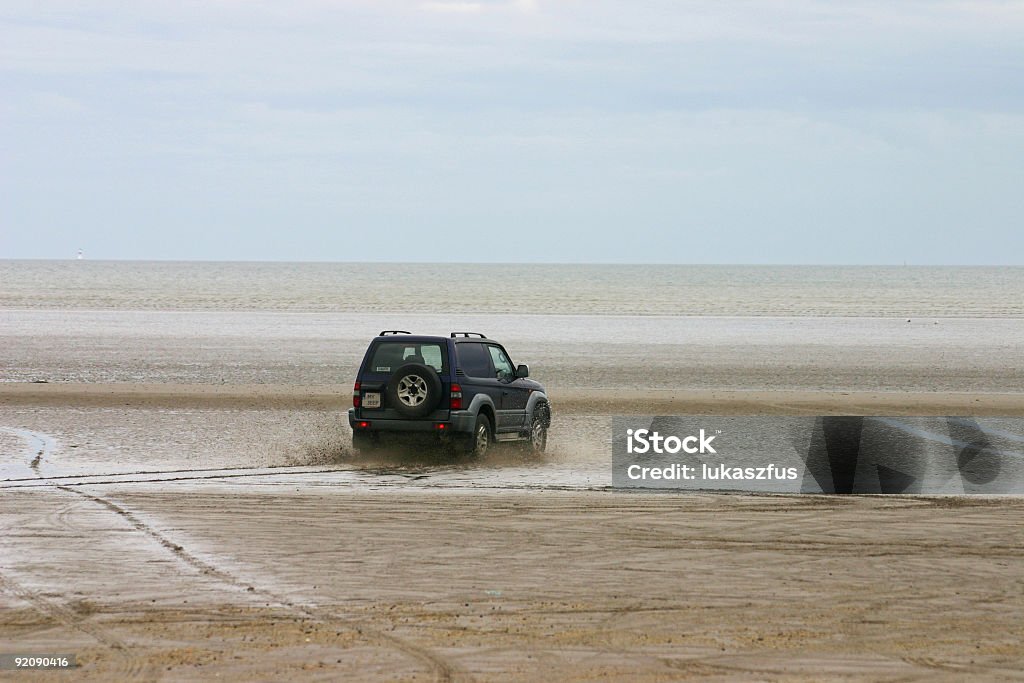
456 397
355 395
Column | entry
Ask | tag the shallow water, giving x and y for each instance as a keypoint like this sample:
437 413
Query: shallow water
273 448
675 290
256 450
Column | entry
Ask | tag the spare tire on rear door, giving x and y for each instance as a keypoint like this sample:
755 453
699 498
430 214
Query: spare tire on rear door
414 390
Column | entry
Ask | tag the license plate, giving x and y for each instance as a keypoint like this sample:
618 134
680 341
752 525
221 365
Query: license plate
371 400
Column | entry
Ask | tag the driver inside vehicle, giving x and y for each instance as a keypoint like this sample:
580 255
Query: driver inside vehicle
502 365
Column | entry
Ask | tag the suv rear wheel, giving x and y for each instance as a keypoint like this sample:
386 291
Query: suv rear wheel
477 443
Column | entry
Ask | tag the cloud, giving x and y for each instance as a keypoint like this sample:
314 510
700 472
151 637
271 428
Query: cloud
443 6
452 7
375 113
525 5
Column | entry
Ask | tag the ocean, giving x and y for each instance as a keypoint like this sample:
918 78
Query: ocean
630 290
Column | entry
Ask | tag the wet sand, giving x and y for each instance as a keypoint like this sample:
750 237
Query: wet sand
144 583
296 562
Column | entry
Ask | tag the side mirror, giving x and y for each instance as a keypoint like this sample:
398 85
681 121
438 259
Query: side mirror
523 371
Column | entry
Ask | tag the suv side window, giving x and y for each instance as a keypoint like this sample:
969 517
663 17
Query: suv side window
474 359
502 365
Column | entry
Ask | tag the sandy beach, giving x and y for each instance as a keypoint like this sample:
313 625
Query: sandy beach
179 501
184 531
284 583
683 341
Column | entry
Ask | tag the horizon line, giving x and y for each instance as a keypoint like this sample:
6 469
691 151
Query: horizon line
510 263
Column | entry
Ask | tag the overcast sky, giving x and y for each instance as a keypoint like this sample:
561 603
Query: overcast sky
576 131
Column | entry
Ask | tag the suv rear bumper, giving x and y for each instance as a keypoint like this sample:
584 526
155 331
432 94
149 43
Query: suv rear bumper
461 421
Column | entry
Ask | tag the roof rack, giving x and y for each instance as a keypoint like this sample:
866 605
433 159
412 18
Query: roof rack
385 333
467 334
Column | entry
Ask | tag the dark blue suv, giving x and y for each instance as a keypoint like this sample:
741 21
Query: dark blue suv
461 390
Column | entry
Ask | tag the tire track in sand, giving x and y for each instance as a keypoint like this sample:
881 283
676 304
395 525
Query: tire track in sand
58 612
39 447
42 446
127 665
442 669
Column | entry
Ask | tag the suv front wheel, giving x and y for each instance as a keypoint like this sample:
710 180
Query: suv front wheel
538 442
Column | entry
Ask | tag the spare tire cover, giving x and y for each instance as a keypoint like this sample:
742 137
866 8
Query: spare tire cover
414 390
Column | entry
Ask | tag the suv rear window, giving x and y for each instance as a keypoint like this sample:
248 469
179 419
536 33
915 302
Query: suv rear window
389 356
